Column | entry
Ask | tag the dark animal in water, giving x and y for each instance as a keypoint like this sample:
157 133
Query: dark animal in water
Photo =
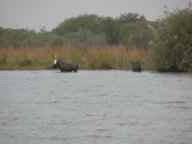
65 67
136 66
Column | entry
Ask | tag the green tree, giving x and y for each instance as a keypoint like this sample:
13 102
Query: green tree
84 38
13 38
136 34
21 38
103 26
110 30
172 49
88 22
129 17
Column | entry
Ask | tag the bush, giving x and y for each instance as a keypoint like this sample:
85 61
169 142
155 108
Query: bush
172 50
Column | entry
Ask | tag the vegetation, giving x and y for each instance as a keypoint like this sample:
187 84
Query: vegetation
96 42
109 57
82 31
172 50
136 35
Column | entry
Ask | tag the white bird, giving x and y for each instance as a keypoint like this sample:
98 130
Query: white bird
55 60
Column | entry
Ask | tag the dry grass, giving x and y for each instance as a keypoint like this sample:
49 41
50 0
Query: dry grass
112 57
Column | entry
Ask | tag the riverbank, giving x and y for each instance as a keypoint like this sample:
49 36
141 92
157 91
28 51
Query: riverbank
41 58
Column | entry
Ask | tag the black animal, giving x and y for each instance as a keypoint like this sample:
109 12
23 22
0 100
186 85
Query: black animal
136 66
65 67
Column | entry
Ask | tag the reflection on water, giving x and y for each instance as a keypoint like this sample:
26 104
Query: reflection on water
95 107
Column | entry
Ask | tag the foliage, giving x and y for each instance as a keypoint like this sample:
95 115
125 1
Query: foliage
173 45
129 17
84 38
88 22
106 27
25 38
136 34
83 31
109 29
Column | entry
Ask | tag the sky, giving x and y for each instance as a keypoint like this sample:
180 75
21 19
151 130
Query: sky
36 14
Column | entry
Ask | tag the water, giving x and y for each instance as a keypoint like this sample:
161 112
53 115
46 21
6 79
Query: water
95 107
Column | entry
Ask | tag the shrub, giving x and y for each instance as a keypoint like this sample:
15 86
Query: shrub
172 50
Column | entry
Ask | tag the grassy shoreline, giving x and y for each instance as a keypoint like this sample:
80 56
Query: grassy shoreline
41 58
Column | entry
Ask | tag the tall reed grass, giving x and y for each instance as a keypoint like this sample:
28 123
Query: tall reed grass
109 57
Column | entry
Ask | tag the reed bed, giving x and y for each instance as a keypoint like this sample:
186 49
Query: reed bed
109 57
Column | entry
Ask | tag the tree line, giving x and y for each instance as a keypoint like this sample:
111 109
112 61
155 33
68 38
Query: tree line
130 29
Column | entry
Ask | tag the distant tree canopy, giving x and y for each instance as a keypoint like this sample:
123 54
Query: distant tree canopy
130 17
105 27
136 34
173 44
83 31
88 22
27 38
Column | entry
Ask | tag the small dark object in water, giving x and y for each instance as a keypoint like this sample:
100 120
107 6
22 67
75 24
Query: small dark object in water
65 67
136 66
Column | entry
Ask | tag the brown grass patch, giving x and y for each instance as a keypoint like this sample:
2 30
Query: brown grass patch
111 57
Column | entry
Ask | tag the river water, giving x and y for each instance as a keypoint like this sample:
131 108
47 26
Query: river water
95 107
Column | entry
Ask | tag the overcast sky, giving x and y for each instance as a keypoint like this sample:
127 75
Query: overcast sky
35 14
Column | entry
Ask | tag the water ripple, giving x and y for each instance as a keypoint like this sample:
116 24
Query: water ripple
95 107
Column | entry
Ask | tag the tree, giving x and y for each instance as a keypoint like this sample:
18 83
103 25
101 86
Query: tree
130 17
109 30
84 38
103 26
172 50
136 34
88 22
